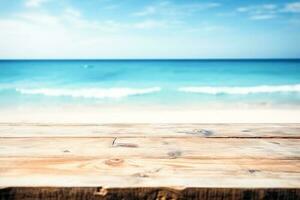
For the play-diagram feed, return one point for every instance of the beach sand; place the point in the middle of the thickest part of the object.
(147, 115)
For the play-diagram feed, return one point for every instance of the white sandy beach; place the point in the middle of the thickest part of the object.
(148, 115)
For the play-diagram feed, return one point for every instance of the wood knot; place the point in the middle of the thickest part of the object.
(114, 162)
(204, 132)
(174, 154)
(141, 174)
(246, 130)
(146, 173)
(252, 171)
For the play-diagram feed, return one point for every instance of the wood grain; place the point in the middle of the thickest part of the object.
(153, 148)
(171, 160)
(149, 130)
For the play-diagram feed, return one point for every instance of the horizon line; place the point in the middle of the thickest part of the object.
(141, 59)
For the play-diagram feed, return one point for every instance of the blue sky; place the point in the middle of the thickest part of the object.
(149, 29)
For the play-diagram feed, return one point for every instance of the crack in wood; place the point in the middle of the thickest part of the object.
(130, 145)
(113, 143)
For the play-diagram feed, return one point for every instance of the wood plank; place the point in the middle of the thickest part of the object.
(150, 162)
(183, 160)
(154, 147)
(149, 130)
(180, 172)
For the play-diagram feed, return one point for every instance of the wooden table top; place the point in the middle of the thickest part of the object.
(150, 155)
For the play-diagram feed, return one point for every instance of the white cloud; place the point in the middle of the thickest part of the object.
(258, 9)
(38, 34)
(37, 18)
(34, 3)
(243, 9)
(292, 7)
(43, 27)
(72, 12)
(150, 24)
(269, 11)
(69, 34)
(207, 28)
(147, 11)
(269, 6)
(111, 7)
(156, 24)
(166, 8)
(260, 12)
(200, 6)
(262, 17)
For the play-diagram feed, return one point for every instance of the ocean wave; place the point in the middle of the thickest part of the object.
(98, 93)
(242, 90)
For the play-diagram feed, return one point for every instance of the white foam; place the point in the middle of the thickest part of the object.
(241, 90)
(90, 92)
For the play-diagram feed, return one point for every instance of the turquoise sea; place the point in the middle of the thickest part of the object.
(202, 83)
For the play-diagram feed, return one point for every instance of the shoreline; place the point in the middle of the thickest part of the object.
(155, 115)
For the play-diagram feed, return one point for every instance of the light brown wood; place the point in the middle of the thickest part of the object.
(149, 130)
(175, 173)
(153, 148)
(162, 155)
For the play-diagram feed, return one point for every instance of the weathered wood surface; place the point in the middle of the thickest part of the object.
(149, 130)
(228, 159)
